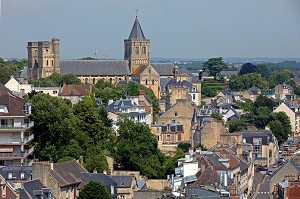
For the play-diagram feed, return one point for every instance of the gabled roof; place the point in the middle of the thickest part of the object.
(290, 162)
(136, 31)
(75, 90)
(95, 67)
(166, 69)
(254, 90)
(99, 177)
(68, 173)
(207, 177)
(10, 192)
(30, 187)
(14, 104)
(124, 181)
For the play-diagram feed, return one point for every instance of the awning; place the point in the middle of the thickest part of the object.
(6, 149)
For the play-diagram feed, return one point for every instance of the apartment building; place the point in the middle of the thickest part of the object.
(14, 129)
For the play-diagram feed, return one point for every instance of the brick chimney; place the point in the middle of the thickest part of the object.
(142, 92)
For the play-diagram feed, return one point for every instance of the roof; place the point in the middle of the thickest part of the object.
(206, 177)
(30, 187)
(14, 104)
(136, 31)
(123, 181)
(166, 69)
(9, 190)
(95, 67)
(290, 162)
(254, 90)
(243, 166)
(226, 92)
(17, 168)
(75, 90)
(68, 173)
(139, 70)
(201, 193)
(99, 177)
(214, 159)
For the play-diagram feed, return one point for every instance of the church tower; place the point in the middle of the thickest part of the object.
(137, 47)
(43, 58)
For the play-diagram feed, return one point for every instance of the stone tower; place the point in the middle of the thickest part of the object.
(43, 58)
(137, 47)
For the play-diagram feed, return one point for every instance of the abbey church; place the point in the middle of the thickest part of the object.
(44, 59)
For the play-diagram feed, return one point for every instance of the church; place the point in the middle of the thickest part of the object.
(43, 60)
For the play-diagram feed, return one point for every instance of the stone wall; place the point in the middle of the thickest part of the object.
(184, 111)
(211, 133)
(157, 184)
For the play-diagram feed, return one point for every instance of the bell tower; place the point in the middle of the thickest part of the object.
(137, 47)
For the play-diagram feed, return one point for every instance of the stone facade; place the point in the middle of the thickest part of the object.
(181, 112)
(211, 133)
(43, 58)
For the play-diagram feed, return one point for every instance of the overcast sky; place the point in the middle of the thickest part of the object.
(176, 28)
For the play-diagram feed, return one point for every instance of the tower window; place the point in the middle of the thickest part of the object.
(52, 62)
(146, 82)
(47, 62)
(137, 50)
(153, 82)
(144, 50)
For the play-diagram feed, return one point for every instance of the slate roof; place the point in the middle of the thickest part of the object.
(95, 67)
(254, 90)
(250, 134)
(226, 92)
(290, 162)
(166, 69)
(201, 193)
(243, 166)
(68, 173)
(9, 191)
(75, 90)
(136, 31)
(183, 83)
(99, 177)
(207, 177)
(164, 82)
(123, 181)
(139, 70)
(16, 172)
(29, 187)
(14, 104)
(214, 159)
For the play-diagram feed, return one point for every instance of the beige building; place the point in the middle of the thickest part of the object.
(52, 91)
(74, 93)
(182, 112)
(18, 85)
(293, 112)
(43, 58)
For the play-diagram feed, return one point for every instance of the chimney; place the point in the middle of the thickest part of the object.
(94, 170)
(142, 92)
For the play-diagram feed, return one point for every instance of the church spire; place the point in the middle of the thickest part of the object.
(136, 31)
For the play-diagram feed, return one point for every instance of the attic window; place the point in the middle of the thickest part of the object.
(122, 184)
(1, 109)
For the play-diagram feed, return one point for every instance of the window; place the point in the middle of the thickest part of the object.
(22, 175)
(94, 80)
(54, 92)
(153, 82)
(146, 82)
(144, 50)
(9, 175)
(3, 122)
(168, 137)
(157, 138)
(52, 62)
(47, 62)
(176, 114)
(194, 96)
(112, 189)
(110, 80)
(137, 50)
(257, 141)
(173, 121)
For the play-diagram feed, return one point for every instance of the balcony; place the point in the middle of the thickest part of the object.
(16, 141)
(21, 127)
(13, 156)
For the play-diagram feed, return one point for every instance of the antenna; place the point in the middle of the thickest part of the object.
(136, 11)
(96, 54)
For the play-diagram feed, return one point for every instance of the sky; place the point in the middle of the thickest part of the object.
(176, 28)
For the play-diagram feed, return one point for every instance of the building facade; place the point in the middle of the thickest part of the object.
(14, 129)
(43, 58)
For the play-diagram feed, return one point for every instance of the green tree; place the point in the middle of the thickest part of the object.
(278, 130)
(70, 79)
(95, 160)
(216, 116)
(137, 150)
(248, 68)
(94, 190)
(214, 66)
(237, 125)
(53, 125)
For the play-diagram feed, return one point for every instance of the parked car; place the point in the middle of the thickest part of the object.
(262, 168)
(275, 166)
(270, 172)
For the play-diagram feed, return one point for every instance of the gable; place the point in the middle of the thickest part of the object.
(283, 108)
(149, 70)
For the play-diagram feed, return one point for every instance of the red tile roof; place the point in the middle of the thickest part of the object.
(75, 90)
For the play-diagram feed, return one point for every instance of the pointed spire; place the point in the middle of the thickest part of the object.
(136, 32)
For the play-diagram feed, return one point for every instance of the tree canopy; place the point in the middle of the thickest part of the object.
(56, 80)
(94, 190)
(248, 68)
(11, 68)
(214, 66)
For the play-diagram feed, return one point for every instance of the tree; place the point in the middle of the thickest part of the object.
(53, 125)
(95, 160)
(94, 190)
(216, 116)
(278, 130)
(286, 128)
(70, 79)
(137, 150)
(237, 125)
(248, 68)
(214, 66)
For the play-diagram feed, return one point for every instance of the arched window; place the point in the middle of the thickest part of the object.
(146, 82)
(94, 81)
(86, 80)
